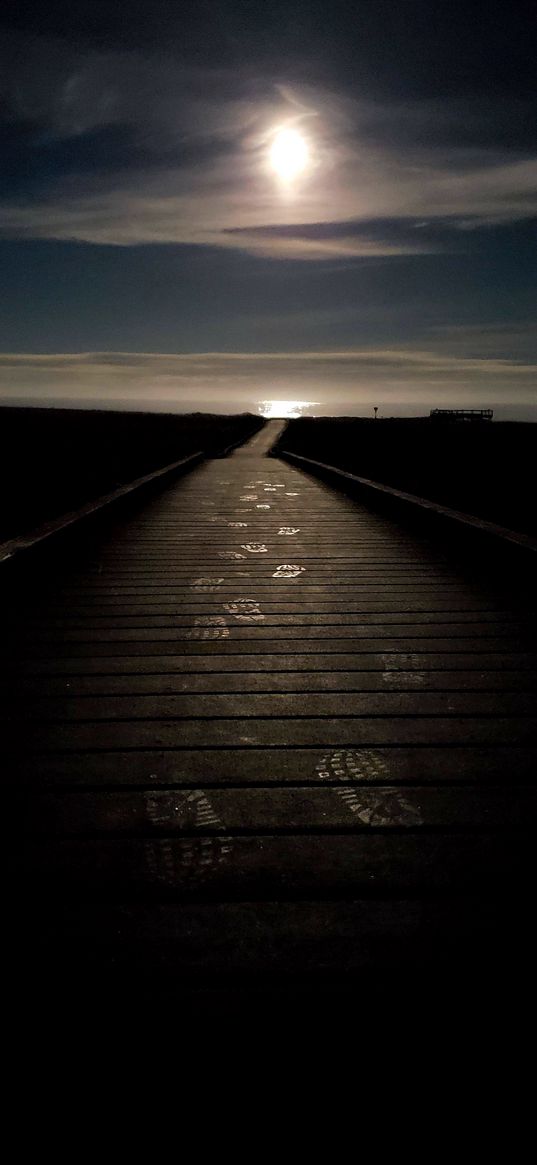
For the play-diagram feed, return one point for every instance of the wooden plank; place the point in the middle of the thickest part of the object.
(364, 582)
(199, 604)
(380, 629)
(174, 583)
(229, 706)
(93, 582)
(278, 681)
(323, 809)
(207, 642)
(475, 658)
(387, 615)
(504, 765)
(317, 571)
(240, 733)
(231, 867)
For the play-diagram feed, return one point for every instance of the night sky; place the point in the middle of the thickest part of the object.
(152, 257)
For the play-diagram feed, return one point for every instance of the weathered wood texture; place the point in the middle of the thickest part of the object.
(260, 735)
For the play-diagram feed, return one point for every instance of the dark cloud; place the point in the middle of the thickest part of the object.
(419, 47)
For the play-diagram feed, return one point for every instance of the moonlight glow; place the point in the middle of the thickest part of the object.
(289, 154)
(285, 408)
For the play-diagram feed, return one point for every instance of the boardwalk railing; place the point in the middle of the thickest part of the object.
(411, 504)
(59, 525)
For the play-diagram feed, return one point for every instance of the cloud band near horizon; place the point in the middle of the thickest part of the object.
(404, 380)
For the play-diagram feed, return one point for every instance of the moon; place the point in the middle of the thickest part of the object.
(289, 154)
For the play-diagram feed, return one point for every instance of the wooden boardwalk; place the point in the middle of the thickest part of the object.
(261, 736)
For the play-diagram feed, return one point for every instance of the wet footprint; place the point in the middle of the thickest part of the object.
(209, 627)
(288, 571)
(387, 807)
(206, 584)
(181, 809)
(245, 610)
(382, 807)
(185, 860)
(364, 764)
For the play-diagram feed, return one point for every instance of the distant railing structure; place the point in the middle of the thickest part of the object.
(471, 415)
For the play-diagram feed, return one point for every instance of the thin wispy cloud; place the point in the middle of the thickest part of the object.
(147, 208)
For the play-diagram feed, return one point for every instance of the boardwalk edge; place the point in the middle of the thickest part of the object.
(412, 502)
(34, 538)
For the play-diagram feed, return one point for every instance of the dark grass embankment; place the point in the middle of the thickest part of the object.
(484, 469)
(55, 460)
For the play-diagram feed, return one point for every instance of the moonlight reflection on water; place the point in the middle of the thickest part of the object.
(287, 409)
